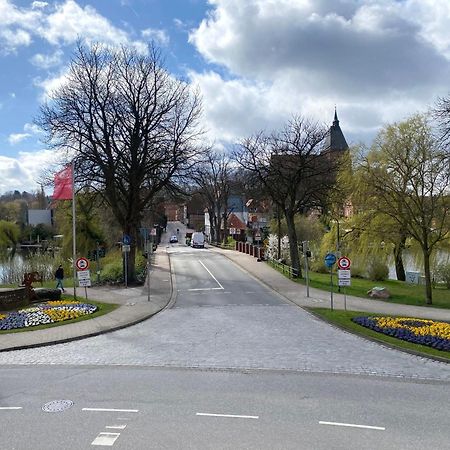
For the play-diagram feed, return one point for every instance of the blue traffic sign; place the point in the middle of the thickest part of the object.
(126, 239)
(330, 259)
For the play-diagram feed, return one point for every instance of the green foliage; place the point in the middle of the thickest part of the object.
(9, 234)
(442, 273)
(377, 271)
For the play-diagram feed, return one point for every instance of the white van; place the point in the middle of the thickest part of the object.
(198, 240)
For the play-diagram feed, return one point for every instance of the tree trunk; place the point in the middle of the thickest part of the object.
(279, 232)
(426, 263)
(293, 244)
(398, 258)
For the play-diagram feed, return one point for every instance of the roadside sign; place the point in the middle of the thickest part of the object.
(344, 282)
(82, 263)
(126, 248)
(344, 274)
(330, 259)
(84, 283)
(84, 275)
(153, 232)
(84, 278)
(344, 263)
(126, 239)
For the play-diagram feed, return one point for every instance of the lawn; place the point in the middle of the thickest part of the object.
(343, 320)
(401, 292)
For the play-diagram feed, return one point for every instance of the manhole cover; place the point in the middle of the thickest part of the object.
(57, 405)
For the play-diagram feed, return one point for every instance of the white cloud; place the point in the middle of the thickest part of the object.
(51, 84)
(15, 138)
(38, 5)
(63, 23)
(159, 36)
(46, 61)
(24, 172)
(378, 61)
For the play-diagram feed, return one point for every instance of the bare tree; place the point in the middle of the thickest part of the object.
(410, 176)
(292, 169)
(213, 178)
(129, 125)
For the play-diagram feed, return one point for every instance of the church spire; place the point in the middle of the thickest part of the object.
(335, 139)
(335, 121)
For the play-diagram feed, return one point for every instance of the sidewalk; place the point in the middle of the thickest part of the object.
(134, 308)
(296, 292)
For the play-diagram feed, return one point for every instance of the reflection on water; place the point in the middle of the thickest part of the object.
(13, 267)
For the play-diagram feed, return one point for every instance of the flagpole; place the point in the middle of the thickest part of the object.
(74, 234)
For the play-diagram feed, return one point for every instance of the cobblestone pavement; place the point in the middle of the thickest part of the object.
(242, 337)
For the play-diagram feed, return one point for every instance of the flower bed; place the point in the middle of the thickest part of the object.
(418, 331)
(48, 312)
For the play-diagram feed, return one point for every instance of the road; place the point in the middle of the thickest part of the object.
(230, 366)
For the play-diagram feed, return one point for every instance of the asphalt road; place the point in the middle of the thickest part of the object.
(230, 366)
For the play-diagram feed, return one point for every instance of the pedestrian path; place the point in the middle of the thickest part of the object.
(296, 292)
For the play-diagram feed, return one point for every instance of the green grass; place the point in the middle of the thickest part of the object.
(103, 308)
(343, 320)
(401, 292)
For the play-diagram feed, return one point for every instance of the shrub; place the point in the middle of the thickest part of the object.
(442, 273)
(378, 271)
(113, 272)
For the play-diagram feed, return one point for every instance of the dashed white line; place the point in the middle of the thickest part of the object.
(206, 289)
(227, 415)
(111, 410)
(338, 424)
(107, 439)
(11, 407)
(116, 427)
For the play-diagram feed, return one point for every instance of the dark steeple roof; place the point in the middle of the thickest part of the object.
(335, 139)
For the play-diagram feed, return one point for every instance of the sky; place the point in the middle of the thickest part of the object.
(257, 63)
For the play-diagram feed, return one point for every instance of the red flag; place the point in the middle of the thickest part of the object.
(63, 184)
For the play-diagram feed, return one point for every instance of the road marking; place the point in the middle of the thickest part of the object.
(227, 415)
(110, 410)
(123, 418)
(214, 278)
(206, 289)
(11, 407)
(107, 439)
(116, 427)
(338, 424)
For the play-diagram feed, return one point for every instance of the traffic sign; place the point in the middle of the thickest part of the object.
(344, 282)
(82, 263)
(330, 259)
(344, 274)
(84, 275)
(153, 232)
(84, 283)
(126, 239)
(344, 263)
(126, 248)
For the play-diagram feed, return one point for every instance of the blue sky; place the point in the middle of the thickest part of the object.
(257, 62)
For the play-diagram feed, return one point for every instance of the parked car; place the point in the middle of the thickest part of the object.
(173, 239)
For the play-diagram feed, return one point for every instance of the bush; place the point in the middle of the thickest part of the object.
(378, 271)
(113, 272)
(442, 273)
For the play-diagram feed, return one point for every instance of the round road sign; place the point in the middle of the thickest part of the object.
(344, 263)
(330, 259)
(82, 263)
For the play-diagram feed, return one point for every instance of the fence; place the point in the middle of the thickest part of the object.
(284, 268)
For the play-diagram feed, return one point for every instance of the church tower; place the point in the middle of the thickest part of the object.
(335, 140)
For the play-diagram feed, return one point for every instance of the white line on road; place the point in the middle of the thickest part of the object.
(11, 407)
(107, 439)
(110, 410)
(227, 415)
(206, 289)
(116, 427)
(338, 424)
(214, 278)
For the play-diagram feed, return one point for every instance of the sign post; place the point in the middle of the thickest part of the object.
(83, 274)
(344, 275)
(126, 246)
(330, 260)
